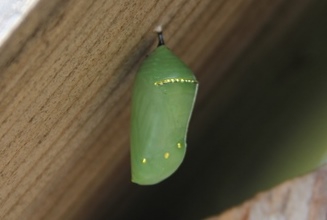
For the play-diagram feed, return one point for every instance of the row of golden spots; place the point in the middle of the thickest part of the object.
(160, 83)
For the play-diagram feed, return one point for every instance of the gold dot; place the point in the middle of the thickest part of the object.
(144, 160)
(179, 145)
(156, 83)
(166, 156)
(177, 80)
(172, 80)
(182, 80)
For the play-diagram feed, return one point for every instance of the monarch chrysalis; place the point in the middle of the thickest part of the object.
(162, 102)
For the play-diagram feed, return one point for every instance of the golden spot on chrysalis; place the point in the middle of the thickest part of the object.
(179, 145)
(144, 160)
(166, 155)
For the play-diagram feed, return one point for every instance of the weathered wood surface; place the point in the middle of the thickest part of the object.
(65, 85)
(303, 198)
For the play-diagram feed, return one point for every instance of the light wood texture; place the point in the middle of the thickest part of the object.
(65, 85)
(300, 199)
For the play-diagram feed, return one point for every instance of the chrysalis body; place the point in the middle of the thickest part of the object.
(163, 97)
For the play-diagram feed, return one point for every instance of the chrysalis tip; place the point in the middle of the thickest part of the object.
(158, 29)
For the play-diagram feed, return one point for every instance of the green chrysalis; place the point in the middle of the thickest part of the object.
(162, 102)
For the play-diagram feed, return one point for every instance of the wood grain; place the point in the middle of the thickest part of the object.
(65, 85)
